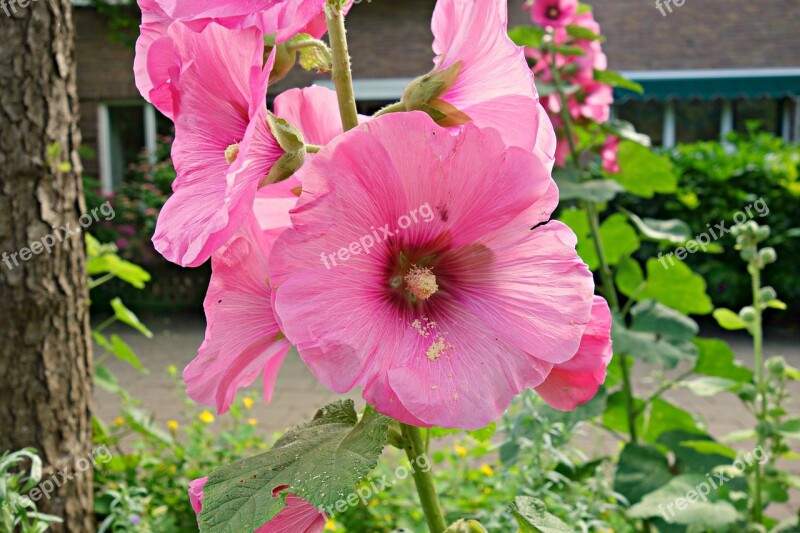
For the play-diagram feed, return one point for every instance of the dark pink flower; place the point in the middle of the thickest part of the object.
(554, 13)
(444, 320)
(298, 516)
(609, 153)
(576, 381)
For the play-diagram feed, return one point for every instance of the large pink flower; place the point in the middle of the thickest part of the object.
(554, 13)
(155, 55)
(298, 516)
(494, 87)
(223, 146)
(440, 299)
(243, 340)
(313, 110)
(576, 381)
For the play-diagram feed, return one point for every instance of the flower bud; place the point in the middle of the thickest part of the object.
(767, 294)
(776, 365)
(423, 94)
(748, 392)
(285, 60)
(291, 140)
(748, 314)
(762, 233)
(765, 429)
(768, 255)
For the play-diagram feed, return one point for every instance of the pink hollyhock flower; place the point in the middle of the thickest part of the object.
(609, 153)
(595, 104)
(554, 13)
(223, 146)
(576, 381)
(243, 340)
(443, 302)
(494, 87)
(563, 151)
(298, 516)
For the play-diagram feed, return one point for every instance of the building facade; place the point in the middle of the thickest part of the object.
(708, 67)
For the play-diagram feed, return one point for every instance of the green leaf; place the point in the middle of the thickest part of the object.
(711, 386)
(126, 316)
(640, 471)
(625, 131)
(629, 277)
(142, 423)
(790, 428)
(663, 416)
(739, 435)
(532, 516)
(124, 353)
(100, 260)
(710, 447)
(652, 316)
(658, 335)
(728, 319)
(674, 231)
(592, 191)
(321, 461)
(672, 501)
(580, 32)
(618, 237)
(677, 287)
(645, 173)
(528, 36)
(615, 79)
(715, 358)
(616, 415)
(104, 379)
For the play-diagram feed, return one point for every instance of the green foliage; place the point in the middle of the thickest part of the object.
(644, 172)
(20, 472)
(533, 517)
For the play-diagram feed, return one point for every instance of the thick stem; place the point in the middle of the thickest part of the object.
(415, 449)
(392, 108)
(761, 414)
(342, 77)
(609, 289)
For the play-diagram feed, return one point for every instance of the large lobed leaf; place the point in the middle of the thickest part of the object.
(321, 461)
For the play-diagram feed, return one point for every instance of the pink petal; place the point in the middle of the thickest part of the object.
(576, 381)
(313, 110)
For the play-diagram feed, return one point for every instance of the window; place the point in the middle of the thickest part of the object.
(698, 121)
(124, 130)
(767, 112)
(647, 117)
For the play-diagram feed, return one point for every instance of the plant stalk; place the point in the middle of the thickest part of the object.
(342, 75)
(758, 342)
(414, 446)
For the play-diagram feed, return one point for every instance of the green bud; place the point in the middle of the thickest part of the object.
(748, 392)
(762, 233)
(768, 255)
(748, 314)
(748, 254)
(423, 94)
(767, 294)
(466, 526)
(776, 365)
(285, 60)
(291, 140)
(765, 429)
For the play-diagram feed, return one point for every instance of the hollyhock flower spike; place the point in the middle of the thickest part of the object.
(444, 302)
(223, 145)
(298, 516)
(480, 75)
(554, 13)
(577, 381)
(243, 340)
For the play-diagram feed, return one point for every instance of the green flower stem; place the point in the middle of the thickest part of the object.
(392, 108)
(313, 148)
(609, 289)
(415, 448)
(342, 76)
(758, 342)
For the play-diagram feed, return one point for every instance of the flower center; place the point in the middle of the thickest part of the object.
(553, 13)
(421, 282)
(231, 153)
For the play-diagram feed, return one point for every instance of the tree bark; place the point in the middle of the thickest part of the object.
(45, 353)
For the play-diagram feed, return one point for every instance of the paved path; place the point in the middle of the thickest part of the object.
(298, 394)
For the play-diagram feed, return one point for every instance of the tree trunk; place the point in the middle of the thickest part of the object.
(45, 353)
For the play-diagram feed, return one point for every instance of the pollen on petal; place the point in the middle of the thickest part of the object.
(437, 348)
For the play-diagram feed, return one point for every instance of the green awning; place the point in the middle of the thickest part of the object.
(714, 84)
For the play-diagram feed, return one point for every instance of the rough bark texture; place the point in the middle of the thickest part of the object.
(45, 354)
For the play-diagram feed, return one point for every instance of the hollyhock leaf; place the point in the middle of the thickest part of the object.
(592, 191)
(581, 32)
(615, 416)
(126, 316)
(615, 79)
(728, 319)
(643, 172)
(640, 471)
(715, 358)
(652, 316)
(712, 515)
(662, 416)
(657, 335)
(625, 130)
(532, 517)
(619, 238)
(677, 287)
(710, 386)
(123, 352)
(322, 461)
(629, 277)
(142, 422)
(673, 231)
(527, 36)
(483, 434)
